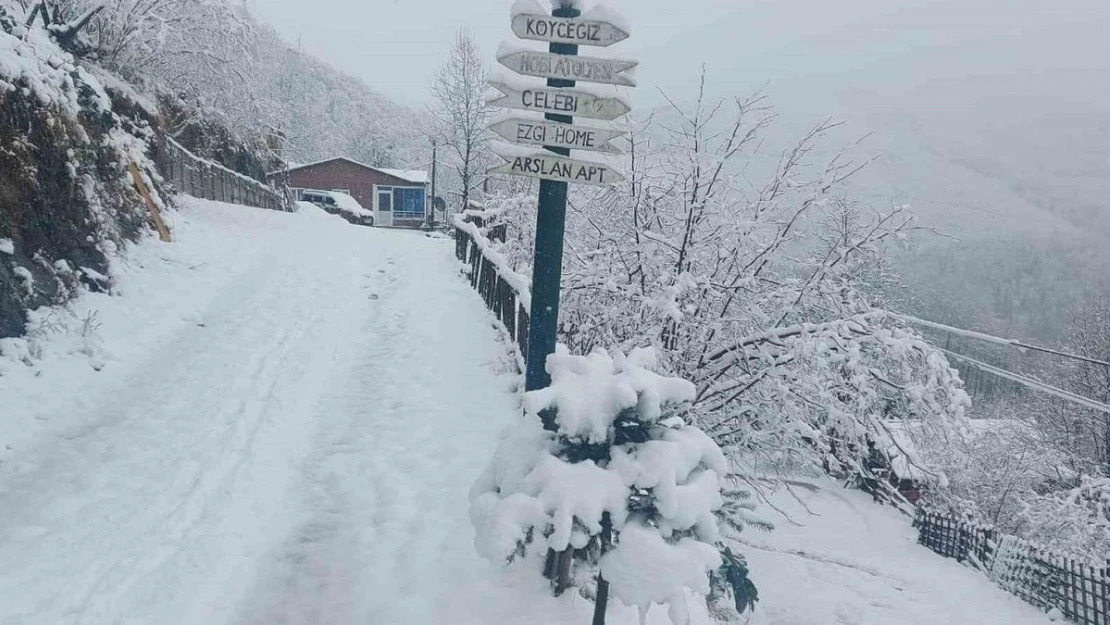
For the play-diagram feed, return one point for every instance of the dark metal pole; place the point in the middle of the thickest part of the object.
(547, 270)
(547, 267)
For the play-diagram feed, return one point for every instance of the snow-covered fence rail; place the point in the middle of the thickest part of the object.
(1079, 590)
(505, 292)
(203, 178)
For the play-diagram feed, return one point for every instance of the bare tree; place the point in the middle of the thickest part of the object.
(461, 111)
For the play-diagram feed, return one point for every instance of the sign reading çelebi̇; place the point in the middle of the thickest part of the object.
(558, 134)
(559, 101)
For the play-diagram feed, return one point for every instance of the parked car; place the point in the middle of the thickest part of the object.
(338, 203)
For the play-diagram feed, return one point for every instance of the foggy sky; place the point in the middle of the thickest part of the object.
(992, 117)
(395, 45)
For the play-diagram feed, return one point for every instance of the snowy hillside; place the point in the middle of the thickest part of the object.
(277, 450)
(835, 557)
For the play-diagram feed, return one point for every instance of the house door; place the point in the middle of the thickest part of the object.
(385, 208)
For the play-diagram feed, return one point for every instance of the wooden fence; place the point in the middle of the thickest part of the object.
(202, 178)
(502, 290)
(1049, 580)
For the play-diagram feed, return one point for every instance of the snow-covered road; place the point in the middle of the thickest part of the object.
(277, 421)
(280, 437)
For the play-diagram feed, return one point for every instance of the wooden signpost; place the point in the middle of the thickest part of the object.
(536, 132)
(559, 101)
(565, 30)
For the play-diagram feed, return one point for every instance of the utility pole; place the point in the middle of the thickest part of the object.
(432, 209)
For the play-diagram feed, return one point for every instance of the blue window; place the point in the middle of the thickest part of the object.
(408, 202)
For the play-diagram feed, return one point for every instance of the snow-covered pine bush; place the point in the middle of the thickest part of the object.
(620, 479)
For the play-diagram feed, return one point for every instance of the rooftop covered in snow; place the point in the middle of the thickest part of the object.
(414, 176)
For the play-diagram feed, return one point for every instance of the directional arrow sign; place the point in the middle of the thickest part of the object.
(560, 101)
(535, 132)
(584, 68)
(567, 30)
(551, 167)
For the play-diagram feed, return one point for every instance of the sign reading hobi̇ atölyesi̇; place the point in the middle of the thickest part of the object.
(565, 67)
(567, 30)
(554, 134)
(552, 167)
(559, 101)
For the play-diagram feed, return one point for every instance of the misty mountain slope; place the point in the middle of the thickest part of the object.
(990, 120)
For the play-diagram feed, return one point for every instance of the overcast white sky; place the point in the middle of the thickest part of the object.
(992, 117)
(395, 45)
(1017, 90)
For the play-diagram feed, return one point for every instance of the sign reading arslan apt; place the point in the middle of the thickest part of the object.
(552, 167)
(560, 101)
(584, 68)
(567, 30)
(535, 132)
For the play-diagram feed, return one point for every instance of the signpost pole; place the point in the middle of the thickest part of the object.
(547, 270)
(548, 260)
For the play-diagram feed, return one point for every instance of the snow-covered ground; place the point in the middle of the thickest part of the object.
(836, 558)
(277, 421)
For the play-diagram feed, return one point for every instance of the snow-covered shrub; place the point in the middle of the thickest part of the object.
(1074, 521)
(618, 477)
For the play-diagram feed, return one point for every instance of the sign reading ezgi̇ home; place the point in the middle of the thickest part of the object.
(535, 132)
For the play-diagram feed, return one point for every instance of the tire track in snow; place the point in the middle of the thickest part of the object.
(394, 462)
(172, 439)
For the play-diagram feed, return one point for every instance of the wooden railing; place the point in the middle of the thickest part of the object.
(505, 292)
(199, 177)
(1049, 580)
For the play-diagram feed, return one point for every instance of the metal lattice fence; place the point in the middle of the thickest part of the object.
(1049, 580)
(198, 177)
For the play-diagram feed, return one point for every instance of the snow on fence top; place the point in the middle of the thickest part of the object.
(214, 165)
(518, 282)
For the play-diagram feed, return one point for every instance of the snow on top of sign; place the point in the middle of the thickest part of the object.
(509, 48)
(528, 7)
(532, 116)
(602, 13)
(509, 151)
(515, 115)
(512, 151)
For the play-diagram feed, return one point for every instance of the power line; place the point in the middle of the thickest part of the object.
(979, 336)
(1031, 383)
